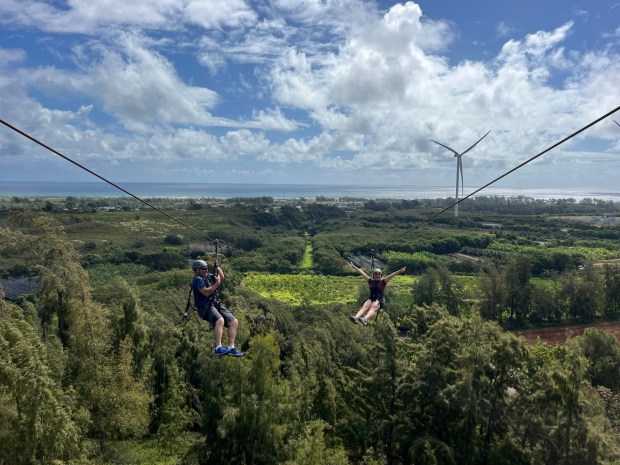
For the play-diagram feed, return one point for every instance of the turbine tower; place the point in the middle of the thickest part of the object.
(459, 168)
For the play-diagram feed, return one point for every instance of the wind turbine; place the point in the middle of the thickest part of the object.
(459, 167)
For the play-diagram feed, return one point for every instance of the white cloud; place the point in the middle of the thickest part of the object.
(294, 83)
(134, 83)
(403, 24)
(503, 29)
(216, 14)
(244, 143)
(380, 64)
(11, 57)
(337, 16)
(86, 17)
(354, 89)
(615, 33)
(272, 119)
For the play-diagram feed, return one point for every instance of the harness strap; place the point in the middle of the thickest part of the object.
(188, 305)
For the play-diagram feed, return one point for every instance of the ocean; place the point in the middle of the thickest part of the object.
(285, 191)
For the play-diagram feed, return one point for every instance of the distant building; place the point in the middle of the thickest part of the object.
(492, 225)
(605, 219)
(13, 288)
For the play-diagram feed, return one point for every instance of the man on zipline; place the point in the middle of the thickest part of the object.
(206, 299)
(376, 301)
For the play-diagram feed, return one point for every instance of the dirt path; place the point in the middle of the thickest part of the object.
(559, 335)
(613, 261)
(462, 256)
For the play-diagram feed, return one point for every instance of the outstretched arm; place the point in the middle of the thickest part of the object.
(360, 271)
(390, 276)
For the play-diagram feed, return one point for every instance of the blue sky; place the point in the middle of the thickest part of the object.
(310, 91)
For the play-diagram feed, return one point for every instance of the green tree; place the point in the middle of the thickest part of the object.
(490, 369)
(174, 368)
(377, 382)
(36, 416)
(557, 417)
(327, 260)
(493, 292)
(117, 400)
(582, 292)
(516, 277)
(251, 404)
(611, 402)
(126, 318)
(458, 393)
(603, 353)
(451, 290)
(426, 288)
(545, 303)
(105, 387)
(612, 290)
(311, 448)
(425, 407)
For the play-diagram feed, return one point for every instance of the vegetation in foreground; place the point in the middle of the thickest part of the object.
(99, 367)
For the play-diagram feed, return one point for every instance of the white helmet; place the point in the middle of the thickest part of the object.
(376, 271)
(199, 264)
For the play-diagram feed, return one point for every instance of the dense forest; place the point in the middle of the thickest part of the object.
(99, 366)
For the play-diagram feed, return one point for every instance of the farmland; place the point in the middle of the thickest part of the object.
(296, 252)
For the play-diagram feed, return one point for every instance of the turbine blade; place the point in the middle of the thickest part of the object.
(445, 146)
(616, 122)
(475, 143)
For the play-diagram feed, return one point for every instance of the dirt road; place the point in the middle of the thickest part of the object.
(559, 335)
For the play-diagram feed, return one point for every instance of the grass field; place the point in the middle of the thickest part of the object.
(296, 289)
(316, 289)
(306, 261)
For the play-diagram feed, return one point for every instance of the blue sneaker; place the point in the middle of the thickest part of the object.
(221, 351)
(353, 319)
(363, 321)
(234, 352)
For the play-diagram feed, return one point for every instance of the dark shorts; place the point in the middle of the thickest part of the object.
(213, 312)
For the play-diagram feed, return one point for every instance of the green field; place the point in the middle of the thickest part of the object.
(299, 288)
(318, 290)
(306, 261)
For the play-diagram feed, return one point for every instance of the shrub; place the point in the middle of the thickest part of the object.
(173, 239)
(88, 246)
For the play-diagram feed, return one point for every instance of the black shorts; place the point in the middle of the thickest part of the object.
(214, 311)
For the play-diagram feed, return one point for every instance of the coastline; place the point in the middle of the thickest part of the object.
(285, 191)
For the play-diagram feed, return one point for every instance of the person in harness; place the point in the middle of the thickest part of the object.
(376, 301)
(206, 299)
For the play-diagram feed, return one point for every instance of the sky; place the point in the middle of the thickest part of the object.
(311, 91)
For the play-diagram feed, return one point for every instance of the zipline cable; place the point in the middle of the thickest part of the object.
(36, 141)
(507, 173)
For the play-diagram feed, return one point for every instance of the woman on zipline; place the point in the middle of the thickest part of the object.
(376, 301)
